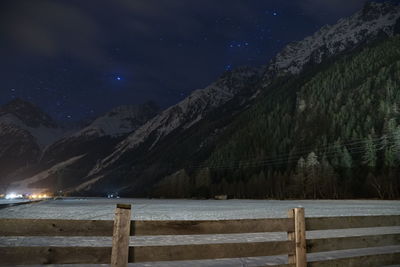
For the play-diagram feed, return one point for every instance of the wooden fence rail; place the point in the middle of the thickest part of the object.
(296, 246)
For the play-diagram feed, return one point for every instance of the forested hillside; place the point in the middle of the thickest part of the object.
(333, 132)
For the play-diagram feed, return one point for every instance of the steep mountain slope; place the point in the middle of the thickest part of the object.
(65, 162)
(113, 125)
(25, 131)
(176, 121)
(189, 111)
(373, 21)
(331, 132)
(184, 133)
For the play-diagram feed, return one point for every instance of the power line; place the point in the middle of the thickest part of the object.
(271, 163)
(327, 147)
(354, 147)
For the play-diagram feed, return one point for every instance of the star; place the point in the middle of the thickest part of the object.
(118, 78)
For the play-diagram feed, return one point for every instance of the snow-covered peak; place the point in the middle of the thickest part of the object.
(24, 116)
(120, 121)
(365, 25)
(28, 113)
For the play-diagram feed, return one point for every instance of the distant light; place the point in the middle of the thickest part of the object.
(38, 196)
(275, 14)
(13, 195)
(118, 78)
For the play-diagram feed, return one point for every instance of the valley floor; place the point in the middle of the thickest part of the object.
(152, 209)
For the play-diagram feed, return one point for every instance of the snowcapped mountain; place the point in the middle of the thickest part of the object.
(110, 128)
(24, 117)
(70, 158)
(25, 131)
(187, 112)
(366, 25)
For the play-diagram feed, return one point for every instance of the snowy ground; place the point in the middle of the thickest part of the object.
(144, 209)
(11, 201)
(163, 209)
(4, 203)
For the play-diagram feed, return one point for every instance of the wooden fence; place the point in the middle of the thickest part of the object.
(296, 246)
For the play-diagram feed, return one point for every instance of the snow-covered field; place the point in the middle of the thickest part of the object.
(151, 209)
(163, 209)
(11, 202)
(4, 201)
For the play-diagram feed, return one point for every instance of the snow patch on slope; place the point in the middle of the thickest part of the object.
(24, 185)
(117, 122)
(114, 123)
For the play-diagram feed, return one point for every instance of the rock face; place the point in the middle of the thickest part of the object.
(25, 131)
(374, 20)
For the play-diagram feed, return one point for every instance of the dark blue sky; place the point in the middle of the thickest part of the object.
(77, 59)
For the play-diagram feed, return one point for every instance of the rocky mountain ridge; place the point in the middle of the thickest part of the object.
(366, 25)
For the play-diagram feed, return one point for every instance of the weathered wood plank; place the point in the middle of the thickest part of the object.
(291, 237)
(139, 228)
(364, 261)
(120, 241)
(208, 251)
(56, 227)
(50, 227)
(340, 243)
(55, 255)
(344, 222)
(300, 237)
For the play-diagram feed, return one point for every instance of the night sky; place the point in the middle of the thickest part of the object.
(77, 59)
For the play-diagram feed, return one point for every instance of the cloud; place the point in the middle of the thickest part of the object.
(84, 29)
(51, 29)
(323, 10)
(177, 17)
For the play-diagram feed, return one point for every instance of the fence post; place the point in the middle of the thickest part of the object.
(299, 256)
(121, 236)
